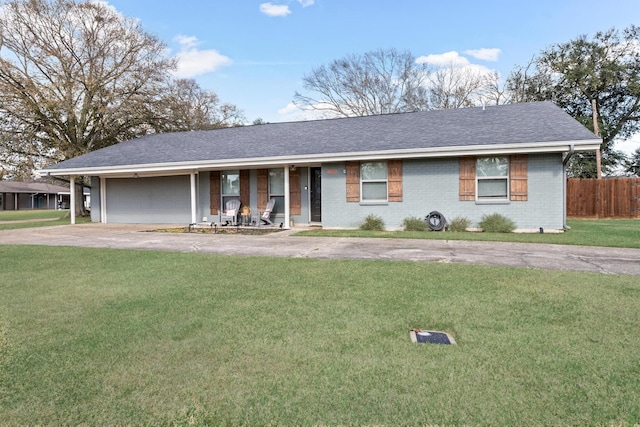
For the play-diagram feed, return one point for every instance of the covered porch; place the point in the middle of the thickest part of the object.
(176, 197)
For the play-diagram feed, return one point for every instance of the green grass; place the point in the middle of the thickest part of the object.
(97, 336)
(36, 218)
(622, 233)
(25, 215)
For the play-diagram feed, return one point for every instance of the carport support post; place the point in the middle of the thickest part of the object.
(194, 213)
(72, 196)
(286, 197)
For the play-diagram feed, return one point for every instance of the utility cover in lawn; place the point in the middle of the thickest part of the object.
(422, 336)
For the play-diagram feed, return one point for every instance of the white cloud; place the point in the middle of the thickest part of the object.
(484, 54)
(306, 3)
(194, 62)
(289, 110)
(452, 58)
(293, 113)
(630, 145)
(271, 9)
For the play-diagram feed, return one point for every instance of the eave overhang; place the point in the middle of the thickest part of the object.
(186, 167)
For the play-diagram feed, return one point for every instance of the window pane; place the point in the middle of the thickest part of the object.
(374, 191)
(278, 208)
(231, 182)
(374, 170)
(493, 166)
(492, 188)
(276, 181)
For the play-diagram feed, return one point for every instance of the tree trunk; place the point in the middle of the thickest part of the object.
(596, 130)
(81, 210)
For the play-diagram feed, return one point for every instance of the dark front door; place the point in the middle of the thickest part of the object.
(315, 191)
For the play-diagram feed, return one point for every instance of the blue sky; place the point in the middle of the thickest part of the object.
(254, 53)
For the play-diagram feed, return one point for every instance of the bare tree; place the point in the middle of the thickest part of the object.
(377, 82)
(187, 106)
(456, 86)
(75, 77)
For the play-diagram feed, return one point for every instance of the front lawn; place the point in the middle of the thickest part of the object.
(621, 233)
(98, 336)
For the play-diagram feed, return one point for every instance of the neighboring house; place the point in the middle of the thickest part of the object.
(466, 162)
(16, 195)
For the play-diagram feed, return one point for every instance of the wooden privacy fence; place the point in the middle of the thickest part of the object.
(603, 198)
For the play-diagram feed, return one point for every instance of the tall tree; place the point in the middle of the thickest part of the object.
(597, 81)
(377, 82)
(76, 77)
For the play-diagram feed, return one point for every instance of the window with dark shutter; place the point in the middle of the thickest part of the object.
(491, 179)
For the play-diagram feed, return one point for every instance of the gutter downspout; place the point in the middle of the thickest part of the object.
(565, 160)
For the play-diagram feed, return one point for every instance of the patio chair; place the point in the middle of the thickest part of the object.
(230, 214)
(266, 214)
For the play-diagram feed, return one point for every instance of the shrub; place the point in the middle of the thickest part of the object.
(372, 222)
(496, 223)
(459, 223)
(413, 223)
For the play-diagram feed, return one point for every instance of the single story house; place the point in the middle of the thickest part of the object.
(16, 195)
(507, 159)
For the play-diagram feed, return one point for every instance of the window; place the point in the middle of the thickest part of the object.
(230, 186)
(276, 189)
(492, 176)
(373, 181)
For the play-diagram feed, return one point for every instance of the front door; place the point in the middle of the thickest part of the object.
(315, 194)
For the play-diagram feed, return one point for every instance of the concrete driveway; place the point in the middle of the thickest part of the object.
(284, 244)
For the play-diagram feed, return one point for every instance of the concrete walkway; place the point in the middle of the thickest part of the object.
(284, 244)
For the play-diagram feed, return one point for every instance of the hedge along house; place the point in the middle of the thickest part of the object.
(466, 162)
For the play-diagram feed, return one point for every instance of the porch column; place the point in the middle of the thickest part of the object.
(286, 198)
(72, 197)
(194, 213)
(103, 200)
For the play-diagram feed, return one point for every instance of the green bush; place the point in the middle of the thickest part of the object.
(496, 223)
(413, 223)
(372, 222)
(459, 223)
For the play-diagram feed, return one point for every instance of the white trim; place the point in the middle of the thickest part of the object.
(373, 181)
(103, 200)
(287, 198)
(506, 178)
(194, 212)
(72, 196)
(183, 168)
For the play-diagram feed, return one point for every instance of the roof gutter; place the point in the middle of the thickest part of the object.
(178, 168)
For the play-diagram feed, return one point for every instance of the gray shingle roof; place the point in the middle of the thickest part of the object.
(538, 122)
(31, 187)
